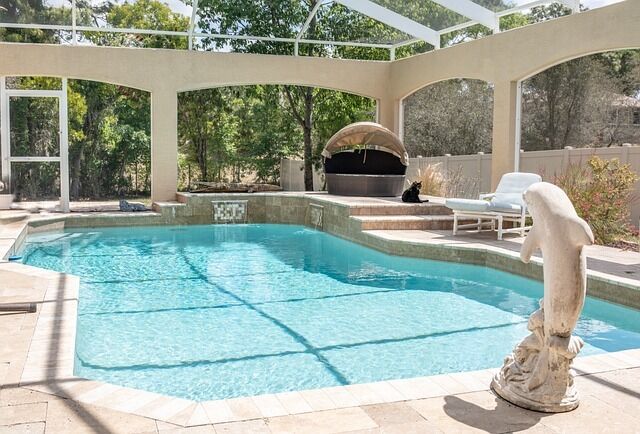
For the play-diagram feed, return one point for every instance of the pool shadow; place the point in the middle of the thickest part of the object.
(500, 417)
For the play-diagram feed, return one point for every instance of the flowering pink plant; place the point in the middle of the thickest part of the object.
(602, 193)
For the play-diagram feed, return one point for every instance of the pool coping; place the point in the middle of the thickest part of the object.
(54, 338)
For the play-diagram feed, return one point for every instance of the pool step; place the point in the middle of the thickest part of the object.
(401, 209)
(405, 222)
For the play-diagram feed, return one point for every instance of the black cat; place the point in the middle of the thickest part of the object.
(412, 193)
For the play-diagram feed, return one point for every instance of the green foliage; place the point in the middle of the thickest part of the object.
(141, 14)
(602, 193)
(33, 11)
(302, 117)
(449, 117)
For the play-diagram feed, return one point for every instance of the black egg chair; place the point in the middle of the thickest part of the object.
(365, 159)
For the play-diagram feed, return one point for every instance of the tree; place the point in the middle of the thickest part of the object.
(571, 104)
(199, 117)
(140, 14)
(283, 19)
(33, 11)
(566, 105)
(450, 117)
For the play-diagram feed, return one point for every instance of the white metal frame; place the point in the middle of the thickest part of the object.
(518, 127)
(5, 139)
(467, 8)
(492, 217)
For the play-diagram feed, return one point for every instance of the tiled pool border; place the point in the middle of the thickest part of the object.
(48, 366)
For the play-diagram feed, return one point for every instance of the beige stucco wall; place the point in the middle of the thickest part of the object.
(501, 59)
(520, 53)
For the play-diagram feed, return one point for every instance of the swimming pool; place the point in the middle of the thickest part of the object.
(209, 312)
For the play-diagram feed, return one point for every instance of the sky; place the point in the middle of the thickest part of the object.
(598, 3)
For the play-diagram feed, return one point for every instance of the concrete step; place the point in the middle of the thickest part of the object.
(405, 222)
(7, 217)
(182, 198)
(159, 206)
(400, 209)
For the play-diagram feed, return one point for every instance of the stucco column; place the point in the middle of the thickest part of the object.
(505, 119)
(389, 113)
(164, 145)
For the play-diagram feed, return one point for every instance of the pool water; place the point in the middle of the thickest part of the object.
(209, 312)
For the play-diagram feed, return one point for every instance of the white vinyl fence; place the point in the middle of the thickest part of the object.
(476, 169)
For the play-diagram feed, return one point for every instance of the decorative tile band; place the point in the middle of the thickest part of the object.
(229, 211)
(316, 213)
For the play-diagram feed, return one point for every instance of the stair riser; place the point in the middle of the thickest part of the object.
(401, 210)
(8, 220)
(417, 225)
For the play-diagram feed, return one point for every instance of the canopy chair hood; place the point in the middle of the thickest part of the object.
(365, 159)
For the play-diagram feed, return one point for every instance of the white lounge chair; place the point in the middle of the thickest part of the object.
(506, 204)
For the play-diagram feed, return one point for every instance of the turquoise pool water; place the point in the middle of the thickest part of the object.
(208, 312)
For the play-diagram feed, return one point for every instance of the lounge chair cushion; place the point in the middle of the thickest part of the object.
(507, 198)
(511, 187)
(508, 207)
(472, 205)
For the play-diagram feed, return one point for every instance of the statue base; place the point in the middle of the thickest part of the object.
(515, 396)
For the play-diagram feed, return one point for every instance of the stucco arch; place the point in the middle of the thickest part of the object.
(165, 73)
(404, 97)
(560, 62)
(521, 53)
(156, 69)
(276, 83)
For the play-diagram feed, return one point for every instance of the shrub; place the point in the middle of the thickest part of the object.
(433, 183)
(452, 183)
(602, 192)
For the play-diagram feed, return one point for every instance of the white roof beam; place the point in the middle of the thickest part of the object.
(472, 10)
(393, 19)
(192, 22)
(574, 5)
(304, 28)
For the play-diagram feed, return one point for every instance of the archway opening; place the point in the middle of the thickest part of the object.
(447, 132)
(580, 129)
(267, 134)
(592, 101)
(81, 140)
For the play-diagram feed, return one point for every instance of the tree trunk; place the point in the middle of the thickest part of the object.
(307, 126)
(75, 174)
(306, 134)
(202, 158)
